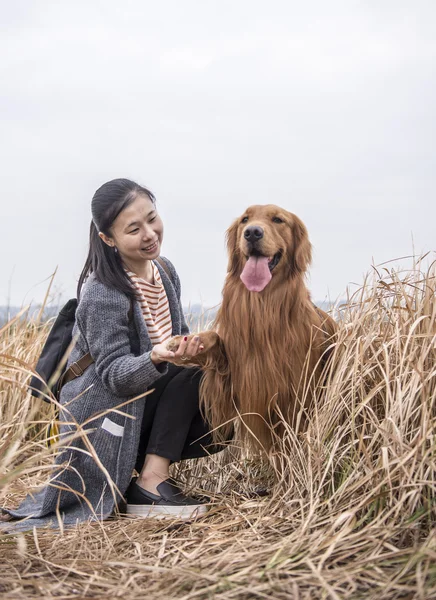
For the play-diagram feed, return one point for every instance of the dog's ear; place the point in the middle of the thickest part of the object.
(301, 253)
(232, 247)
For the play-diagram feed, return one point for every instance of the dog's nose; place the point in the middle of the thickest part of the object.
(253, 233)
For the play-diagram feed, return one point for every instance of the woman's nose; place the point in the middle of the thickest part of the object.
(147, 235)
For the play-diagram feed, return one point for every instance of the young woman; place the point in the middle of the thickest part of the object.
(129, 307)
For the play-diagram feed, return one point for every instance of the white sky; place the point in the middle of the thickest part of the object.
(325, 108)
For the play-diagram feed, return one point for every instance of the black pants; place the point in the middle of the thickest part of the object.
(172, 425)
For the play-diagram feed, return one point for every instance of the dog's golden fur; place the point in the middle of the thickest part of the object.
(265, 346)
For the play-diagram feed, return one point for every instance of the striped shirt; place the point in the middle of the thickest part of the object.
(154, 306)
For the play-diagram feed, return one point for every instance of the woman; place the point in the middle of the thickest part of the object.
(129, 307)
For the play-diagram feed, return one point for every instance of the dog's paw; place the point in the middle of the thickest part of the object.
(208, 339)
(174, 343)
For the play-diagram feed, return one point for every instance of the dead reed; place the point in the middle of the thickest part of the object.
(350, 510)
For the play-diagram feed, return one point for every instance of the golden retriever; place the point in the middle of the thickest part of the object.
(268, 338)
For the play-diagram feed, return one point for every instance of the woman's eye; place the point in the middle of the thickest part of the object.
(244, 220)
(134, 230)
(277, 220)
(153, 219)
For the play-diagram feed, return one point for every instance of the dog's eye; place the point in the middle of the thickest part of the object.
(277, 220)
(244, 220)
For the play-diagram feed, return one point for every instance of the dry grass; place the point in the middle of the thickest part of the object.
(352, 514)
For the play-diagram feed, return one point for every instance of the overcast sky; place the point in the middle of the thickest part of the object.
(324, 108)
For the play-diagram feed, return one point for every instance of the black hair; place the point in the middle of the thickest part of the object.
(103, 260)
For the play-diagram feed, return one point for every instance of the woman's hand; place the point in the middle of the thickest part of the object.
(187, 349)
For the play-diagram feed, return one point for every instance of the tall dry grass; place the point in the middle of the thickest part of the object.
(351, 506)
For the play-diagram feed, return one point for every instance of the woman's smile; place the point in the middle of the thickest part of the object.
(151, 248)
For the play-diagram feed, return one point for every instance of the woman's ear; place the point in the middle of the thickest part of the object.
(107, 240)
(232, 249)
(301, 252)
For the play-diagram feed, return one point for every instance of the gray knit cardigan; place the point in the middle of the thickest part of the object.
(122, 369)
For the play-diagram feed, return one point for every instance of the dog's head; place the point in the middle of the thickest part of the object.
(265, 243)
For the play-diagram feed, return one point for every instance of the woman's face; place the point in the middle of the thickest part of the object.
(137, 233)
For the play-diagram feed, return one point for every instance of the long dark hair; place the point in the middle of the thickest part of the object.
(102, 260)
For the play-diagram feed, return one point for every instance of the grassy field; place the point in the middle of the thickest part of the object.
(351, 506)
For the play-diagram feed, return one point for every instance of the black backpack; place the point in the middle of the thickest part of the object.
(49, 366)
(51, 369)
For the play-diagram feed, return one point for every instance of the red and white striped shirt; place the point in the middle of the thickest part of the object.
(154, 305)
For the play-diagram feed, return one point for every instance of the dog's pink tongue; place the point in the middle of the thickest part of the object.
(256, 274)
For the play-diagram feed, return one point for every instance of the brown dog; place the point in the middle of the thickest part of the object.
(263, 357)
